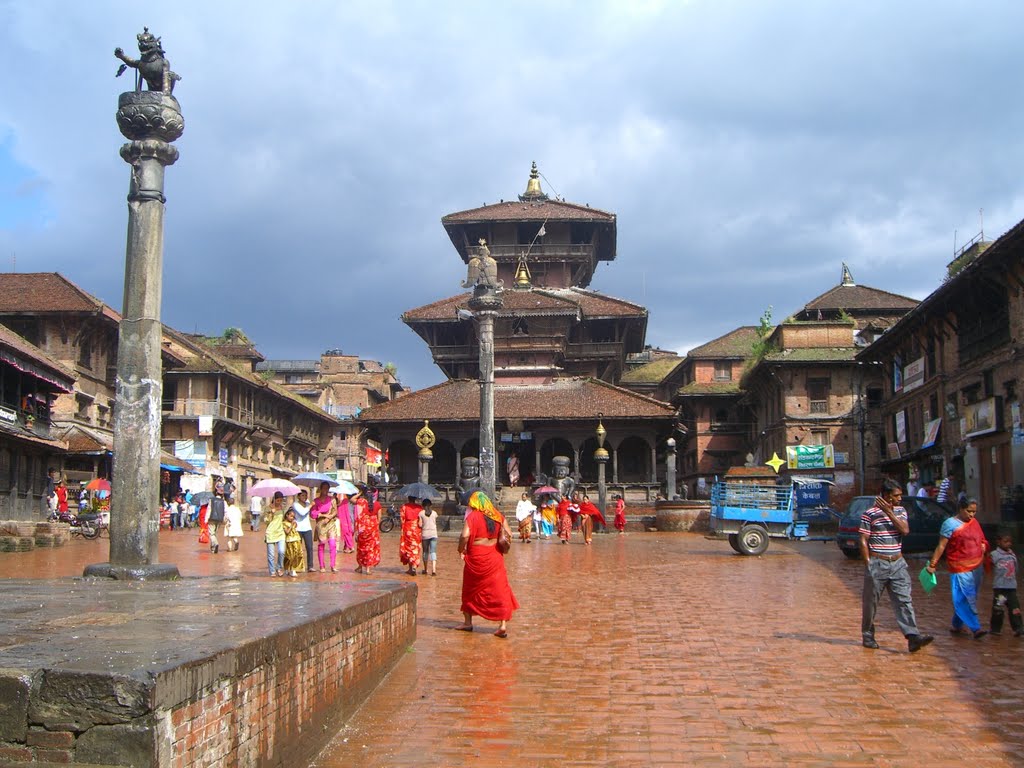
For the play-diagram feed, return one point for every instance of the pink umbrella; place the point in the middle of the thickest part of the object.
(267, 488)
(545, 489)
(98, 484)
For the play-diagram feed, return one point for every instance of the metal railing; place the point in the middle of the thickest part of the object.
(215, 408)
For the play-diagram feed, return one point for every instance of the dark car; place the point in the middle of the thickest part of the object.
(924, 515)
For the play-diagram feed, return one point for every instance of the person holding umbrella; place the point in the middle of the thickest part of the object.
(274, 535)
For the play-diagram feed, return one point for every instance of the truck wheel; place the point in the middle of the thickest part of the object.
(734, 542)
(752, 540)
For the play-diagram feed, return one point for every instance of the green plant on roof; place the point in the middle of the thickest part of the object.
(845, 316)
(392, 369)
(762, 345)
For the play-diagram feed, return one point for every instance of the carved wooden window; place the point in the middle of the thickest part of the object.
(817, 393)
(723, 370)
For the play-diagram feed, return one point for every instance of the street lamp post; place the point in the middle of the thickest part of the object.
(670, 469)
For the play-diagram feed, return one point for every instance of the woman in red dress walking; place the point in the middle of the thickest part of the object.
(485, 589)
(410, 545)
(367, 533)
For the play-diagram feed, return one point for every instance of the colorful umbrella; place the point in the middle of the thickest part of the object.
(267, 488)
(98, 484)
(545, 489)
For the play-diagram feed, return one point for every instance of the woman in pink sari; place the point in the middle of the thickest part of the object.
(485, 589)
(325, 527)
(347, 520)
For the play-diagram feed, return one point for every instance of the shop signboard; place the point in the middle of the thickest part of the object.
(913, 375)
(983, 417)
(810, 457)
(901, 427)
(931, 432)
(8, 415)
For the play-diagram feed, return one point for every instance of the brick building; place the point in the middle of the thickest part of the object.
(342, 386)
(952, 381)
(30, 383)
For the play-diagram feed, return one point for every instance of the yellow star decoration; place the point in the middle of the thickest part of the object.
(775, 462)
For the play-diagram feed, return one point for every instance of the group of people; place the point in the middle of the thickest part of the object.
(329, 519)
(418, 543)
(966, 550)
(563, 515)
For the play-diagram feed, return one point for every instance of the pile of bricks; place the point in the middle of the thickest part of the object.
(22, 535)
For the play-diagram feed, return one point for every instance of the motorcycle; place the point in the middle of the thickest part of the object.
(87, 525)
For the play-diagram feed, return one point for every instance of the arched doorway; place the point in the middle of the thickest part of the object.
(634, 460)
(588, 467)
(442, 466)
(403, 457)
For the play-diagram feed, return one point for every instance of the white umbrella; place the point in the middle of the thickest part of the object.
(345, 487)
(267, 488)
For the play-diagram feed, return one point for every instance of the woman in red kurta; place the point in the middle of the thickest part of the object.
(485, 589)
(410, 545)
(565, 520)
(367, 533)
(620, 514)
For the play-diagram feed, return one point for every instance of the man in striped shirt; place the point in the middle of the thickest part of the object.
(882, 529)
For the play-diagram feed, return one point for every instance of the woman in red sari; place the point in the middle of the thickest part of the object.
(965, 546)
(485, 589)
(367, 533)
(410, 545)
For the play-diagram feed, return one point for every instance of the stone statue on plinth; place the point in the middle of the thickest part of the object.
(561, 478)
(469, 478)
(152, 66)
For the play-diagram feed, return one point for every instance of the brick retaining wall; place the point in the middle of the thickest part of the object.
(245, 703)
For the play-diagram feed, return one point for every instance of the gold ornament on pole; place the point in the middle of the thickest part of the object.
(425, 440)
(601, 454)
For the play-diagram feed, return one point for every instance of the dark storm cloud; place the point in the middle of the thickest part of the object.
(748, 149)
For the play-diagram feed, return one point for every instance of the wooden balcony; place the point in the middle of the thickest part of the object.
(553, 252)
(192, 409)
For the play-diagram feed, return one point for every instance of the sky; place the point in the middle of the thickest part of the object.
(747, 148)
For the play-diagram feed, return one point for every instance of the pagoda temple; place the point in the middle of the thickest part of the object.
(560, 349)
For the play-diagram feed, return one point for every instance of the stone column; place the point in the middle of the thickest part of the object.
(670, 469)
(601, 457)
(150, 120)
(485, 304)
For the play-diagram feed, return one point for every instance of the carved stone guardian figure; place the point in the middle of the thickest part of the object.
(560, 478)
(469, 478)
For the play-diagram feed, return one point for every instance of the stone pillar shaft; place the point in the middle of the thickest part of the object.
(488, 479)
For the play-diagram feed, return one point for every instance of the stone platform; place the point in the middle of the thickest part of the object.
(206, 671)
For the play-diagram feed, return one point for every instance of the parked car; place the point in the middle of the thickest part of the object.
(924, 515)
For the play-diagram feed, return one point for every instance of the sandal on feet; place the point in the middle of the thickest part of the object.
(502, 633)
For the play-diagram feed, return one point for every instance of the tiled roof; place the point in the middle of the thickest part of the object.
(82, 440)
(575, 398)
(40, 364)
(18, 432)
(537, 301)
(735, 344)
(653, 372)
(515, 210)
(852, 298)
(43, 292)
(813, 355)
(200, 358)
(695, 388)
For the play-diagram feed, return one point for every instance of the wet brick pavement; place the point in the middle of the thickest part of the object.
(658, 650)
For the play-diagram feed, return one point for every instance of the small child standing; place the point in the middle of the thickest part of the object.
(294, 549)
(1004, 586)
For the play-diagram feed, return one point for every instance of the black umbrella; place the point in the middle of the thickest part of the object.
(201, 498)
(419, 491)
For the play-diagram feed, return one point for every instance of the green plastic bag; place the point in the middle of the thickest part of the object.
(927, 579)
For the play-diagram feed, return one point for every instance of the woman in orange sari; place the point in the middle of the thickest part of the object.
(367, 533)
(965, 546)
(485, 589)
(410, 545)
